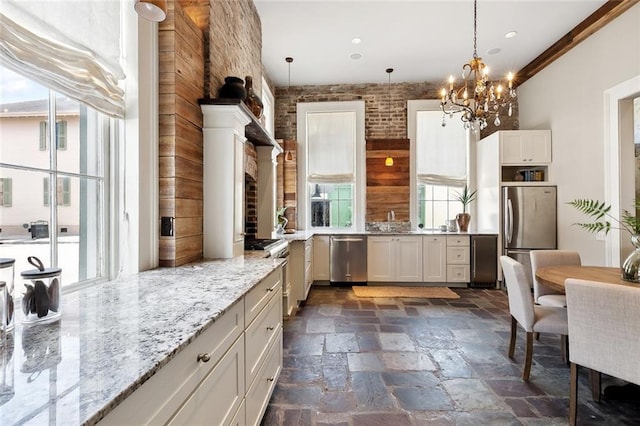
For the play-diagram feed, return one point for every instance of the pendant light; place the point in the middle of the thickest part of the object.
(289, 156)
(389, 160)
(152, 10)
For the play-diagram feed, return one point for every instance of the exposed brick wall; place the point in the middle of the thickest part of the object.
(378, 108)
(385, 118)
(235, 34)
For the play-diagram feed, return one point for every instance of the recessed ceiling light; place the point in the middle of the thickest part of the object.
(355, 56)
(494, 51)
(511, 34)
(356, 41)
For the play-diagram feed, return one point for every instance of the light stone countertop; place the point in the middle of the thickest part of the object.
(305, 235)
(112, 337)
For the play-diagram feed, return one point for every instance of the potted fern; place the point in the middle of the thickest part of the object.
(465, 197)
(602, 222)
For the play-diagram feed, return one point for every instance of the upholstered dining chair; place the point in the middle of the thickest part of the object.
(542, 294)
(604, 333)
(533, 318)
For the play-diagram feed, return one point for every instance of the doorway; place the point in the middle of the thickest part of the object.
(620, 123)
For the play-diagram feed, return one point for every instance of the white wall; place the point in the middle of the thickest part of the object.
(568, 98)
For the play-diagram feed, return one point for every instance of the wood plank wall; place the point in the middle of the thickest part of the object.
(387, 186)
(180, 164)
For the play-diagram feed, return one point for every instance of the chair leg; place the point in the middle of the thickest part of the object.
(564, 348)
(512, 341)
(537, 336)
(573, 395)
(595, 382)
(528, 357)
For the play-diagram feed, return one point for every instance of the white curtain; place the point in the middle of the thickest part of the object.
(331, 146)
(72, 47)
(441, 151)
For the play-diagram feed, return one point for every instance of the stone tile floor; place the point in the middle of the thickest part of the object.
(371, 361)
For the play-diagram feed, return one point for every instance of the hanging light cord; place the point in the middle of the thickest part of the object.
(389, 71)
(289, 60)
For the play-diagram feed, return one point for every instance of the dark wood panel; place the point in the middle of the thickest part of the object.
(167, 167)
(188, 249)
(186, 207)
(187, 169)
(187, 188)
(167, 187)
(598, 19)
(188, 227)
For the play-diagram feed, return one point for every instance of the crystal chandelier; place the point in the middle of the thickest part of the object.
(479, 99)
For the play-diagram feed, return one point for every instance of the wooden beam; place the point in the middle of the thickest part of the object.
(598, 19)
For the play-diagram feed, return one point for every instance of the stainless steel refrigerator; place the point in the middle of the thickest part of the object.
(529, 222)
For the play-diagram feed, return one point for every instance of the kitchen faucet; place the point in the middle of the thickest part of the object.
(391, 216)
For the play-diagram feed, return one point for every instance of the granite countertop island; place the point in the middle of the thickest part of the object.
(112, 337)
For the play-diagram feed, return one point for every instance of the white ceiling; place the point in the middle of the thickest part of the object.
(423, 40)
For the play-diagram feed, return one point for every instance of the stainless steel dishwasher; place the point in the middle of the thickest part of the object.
(348, 259)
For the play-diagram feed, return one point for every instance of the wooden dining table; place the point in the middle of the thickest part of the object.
(555, 276)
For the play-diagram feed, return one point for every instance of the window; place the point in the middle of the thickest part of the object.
(63, 192)
(5, 192)
(440, 168)
(77, 228)
(331, 147)
(61, 135)
(43, 136)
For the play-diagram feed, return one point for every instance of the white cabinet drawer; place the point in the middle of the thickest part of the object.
(260, 391)
(260, 295)
(455, 240)
(217, 399)
(458, 255)
(261, 333)
(458, 273)
(155, 402)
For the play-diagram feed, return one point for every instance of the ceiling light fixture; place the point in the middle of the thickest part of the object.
(151, 10)
(356, 41)
(511, 34)
(485, 99)
(389, 160)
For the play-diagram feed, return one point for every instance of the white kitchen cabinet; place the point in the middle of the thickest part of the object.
(458, 255)
(321, 267)
(301, 268)
(210, 380)
(434, 258)
(525, 147)
(503, 160)
(223, 180)
(219, 396)
(394, 258)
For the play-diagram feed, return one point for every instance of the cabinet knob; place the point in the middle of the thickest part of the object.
(270, 379)
(204, 357)
(270, 328)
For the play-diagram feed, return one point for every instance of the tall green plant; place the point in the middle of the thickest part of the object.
(466, 197)
(599, 211)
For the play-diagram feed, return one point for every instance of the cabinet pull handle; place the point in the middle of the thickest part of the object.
(204, 357)
(270, 327)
